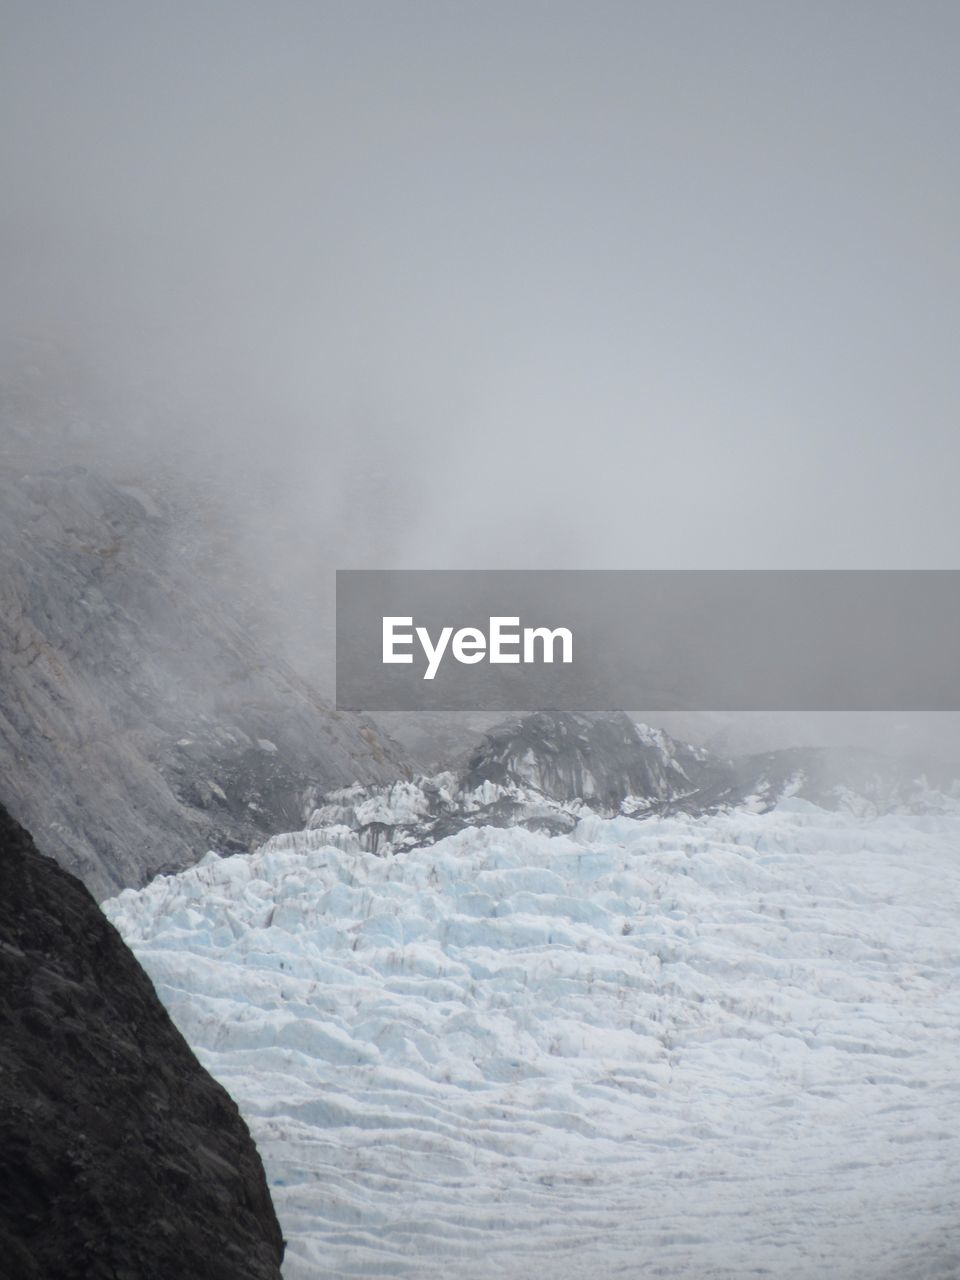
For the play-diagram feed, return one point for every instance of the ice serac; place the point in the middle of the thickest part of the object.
(119, 1154)
(141, 720)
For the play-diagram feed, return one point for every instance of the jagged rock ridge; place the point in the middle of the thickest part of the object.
(120, 1157)
(547, 770)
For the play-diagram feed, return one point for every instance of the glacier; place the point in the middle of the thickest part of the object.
(690, 1046)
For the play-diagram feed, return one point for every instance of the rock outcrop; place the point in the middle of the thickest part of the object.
(120, 1157)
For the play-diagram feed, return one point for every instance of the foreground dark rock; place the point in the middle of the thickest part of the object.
(120, 1157)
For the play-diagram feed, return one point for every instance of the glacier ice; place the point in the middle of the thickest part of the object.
(692, 1046)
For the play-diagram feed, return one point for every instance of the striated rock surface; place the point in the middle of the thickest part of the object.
(141, 722)
(120, 1157)
(600, 760)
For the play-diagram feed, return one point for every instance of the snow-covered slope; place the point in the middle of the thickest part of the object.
(692, 1047)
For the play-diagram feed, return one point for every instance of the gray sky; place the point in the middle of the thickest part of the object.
(565, 284)
(506, 285)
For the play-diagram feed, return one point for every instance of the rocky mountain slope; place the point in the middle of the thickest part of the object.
(141, 721)
(119, 1155)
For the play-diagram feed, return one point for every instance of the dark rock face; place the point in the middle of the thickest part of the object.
(141, 721)
(120, 1157)
(600, 760)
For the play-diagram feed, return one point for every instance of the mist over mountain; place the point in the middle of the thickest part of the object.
(164, 693)
(660, 288)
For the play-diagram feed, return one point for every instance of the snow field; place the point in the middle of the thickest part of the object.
(715, 1047)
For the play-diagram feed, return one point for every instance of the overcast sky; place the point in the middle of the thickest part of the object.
(626, 285)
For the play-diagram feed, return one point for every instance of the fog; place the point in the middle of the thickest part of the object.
(494, 285)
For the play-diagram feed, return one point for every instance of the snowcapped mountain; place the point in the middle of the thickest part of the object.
(143, 720)
(714, 1045)
(546, 771)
